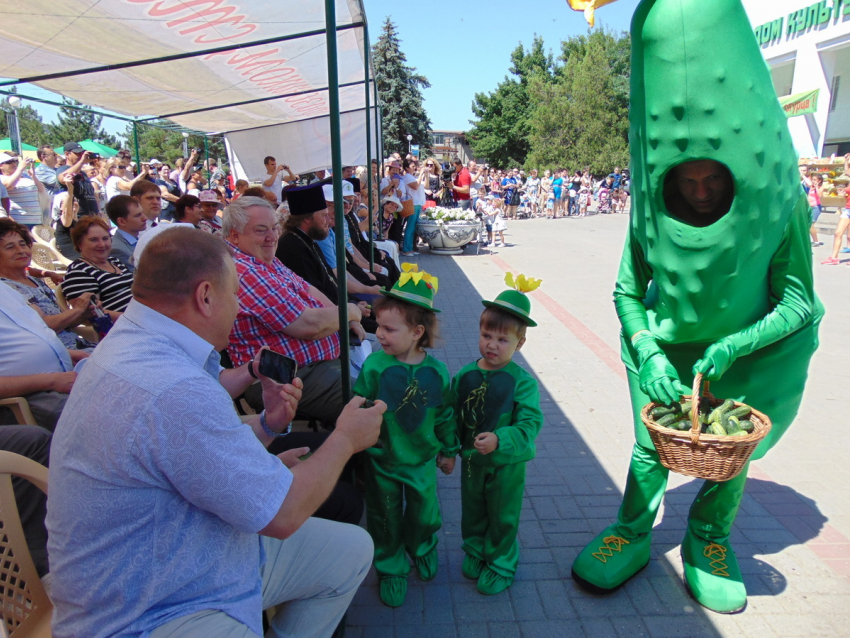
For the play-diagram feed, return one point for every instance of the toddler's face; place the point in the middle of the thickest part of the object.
(497, 348)
(394, 335)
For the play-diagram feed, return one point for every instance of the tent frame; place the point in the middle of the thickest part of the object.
(333, 114)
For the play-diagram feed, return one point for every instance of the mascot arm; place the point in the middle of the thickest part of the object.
(792, 300)
(517, 439)
(658, 378)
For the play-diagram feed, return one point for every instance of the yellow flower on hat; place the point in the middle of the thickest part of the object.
(411, 273)
(522, 283)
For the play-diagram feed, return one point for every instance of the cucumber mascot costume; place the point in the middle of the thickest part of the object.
(727, 292)
(402, 511)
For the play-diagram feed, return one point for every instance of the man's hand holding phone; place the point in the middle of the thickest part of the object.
(360, 425)
(281, 388)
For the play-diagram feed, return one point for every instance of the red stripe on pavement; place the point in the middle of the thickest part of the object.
(597, 346)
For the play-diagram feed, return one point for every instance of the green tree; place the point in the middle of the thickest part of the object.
(75, 125)
(581, 119)
(501, 130)
(33, 130)
(400, 93)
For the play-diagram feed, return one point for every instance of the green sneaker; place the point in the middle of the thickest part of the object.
(472, 567)
(393, 590)
(426, 566)
(712, 575)
(610, 560)
(490, 582)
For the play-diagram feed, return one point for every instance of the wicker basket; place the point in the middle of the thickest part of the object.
(705, 456)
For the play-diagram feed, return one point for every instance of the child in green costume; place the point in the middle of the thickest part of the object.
(716, 274)
(402, 512)
(497, 406)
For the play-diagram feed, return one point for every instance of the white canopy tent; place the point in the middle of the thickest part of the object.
(216, 66)
(263, 74)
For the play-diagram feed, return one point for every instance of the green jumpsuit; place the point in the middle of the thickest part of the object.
(402, 511)
(735, 297)
(506, 402)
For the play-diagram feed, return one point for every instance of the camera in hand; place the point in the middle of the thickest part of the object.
(448, 174)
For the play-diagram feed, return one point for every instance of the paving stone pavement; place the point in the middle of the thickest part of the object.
(791, 535)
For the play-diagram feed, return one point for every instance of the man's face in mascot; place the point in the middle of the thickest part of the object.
(704, 185)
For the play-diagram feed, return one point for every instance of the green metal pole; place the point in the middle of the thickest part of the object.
(367, 55)
(207, 160)
(336, 163)
(136, 142)
(379, 131)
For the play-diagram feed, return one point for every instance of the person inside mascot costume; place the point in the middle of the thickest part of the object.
(716, 274)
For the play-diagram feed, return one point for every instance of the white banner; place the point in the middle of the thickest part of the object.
(304, 146)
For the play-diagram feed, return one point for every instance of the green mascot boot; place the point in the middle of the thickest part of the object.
(472, 567)
(426, 565)
(621, 550)
(393, 590)
(490, 583)
(712, 574)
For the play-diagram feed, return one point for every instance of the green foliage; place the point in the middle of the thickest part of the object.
(400, 93)
(500, 133)
(75, 125)
(566, 113)
(33, 130)
(581, 119)
(166, 144)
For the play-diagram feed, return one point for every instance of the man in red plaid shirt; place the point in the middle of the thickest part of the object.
(280, 310)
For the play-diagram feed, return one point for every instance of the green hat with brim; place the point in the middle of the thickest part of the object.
(419, 293)
(514, 302)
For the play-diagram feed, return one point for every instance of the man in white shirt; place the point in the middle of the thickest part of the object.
(35, 364)
(274, 178)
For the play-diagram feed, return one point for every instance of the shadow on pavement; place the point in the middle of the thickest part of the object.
(569, 497)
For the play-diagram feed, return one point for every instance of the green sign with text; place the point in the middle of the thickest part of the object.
(825, 12)
(800, 103)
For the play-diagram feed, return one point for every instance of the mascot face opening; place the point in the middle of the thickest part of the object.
(699, 192)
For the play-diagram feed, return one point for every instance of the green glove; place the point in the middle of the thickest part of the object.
(658, 378)
(718, 358)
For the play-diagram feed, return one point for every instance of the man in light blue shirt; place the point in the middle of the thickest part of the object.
(167, 512)
(35, 363)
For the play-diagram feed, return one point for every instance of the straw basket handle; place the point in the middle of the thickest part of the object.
(696, 394)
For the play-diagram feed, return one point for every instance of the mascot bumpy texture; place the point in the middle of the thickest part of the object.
(716, 274)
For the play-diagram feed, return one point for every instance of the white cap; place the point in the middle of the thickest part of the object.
(347, 190)
(155, 162)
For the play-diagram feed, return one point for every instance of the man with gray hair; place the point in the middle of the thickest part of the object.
(279, 309)
(167, 516)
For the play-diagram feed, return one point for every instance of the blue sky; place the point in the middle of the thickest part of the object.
(462, 47)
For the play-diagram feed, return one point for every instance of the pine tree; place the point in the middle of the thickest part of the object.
(400, 93)
(500, 133)
(76, 125)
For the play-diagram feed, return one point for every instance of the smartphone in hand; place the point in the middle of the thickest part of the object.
(277, 367)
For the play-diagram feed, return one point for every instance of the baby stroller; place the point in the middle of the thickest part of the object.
(524, 210)
(604, 198)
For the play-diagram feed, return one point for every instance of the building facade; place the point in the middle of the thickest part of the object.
(446, 145)
(806, 44)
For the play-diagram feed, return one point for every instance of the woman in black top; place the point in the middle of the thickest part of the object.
(95, 271)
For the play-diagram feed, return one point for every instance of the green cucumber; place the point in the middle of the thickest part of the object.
(731, 425)
(661, 410)
(667, 420)
(741, 411)
(716, 429)
(747, 426)
(716, 415)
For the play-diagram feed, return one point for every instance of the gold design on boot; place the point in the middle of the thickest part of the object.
(717, 555)
(612, 544)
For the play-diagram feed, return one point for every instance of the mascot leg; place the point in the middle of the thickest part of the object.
(621, 550)
(711, 568)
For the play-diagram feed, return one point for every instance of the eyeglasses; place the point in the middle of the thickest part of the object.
(13, 162)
